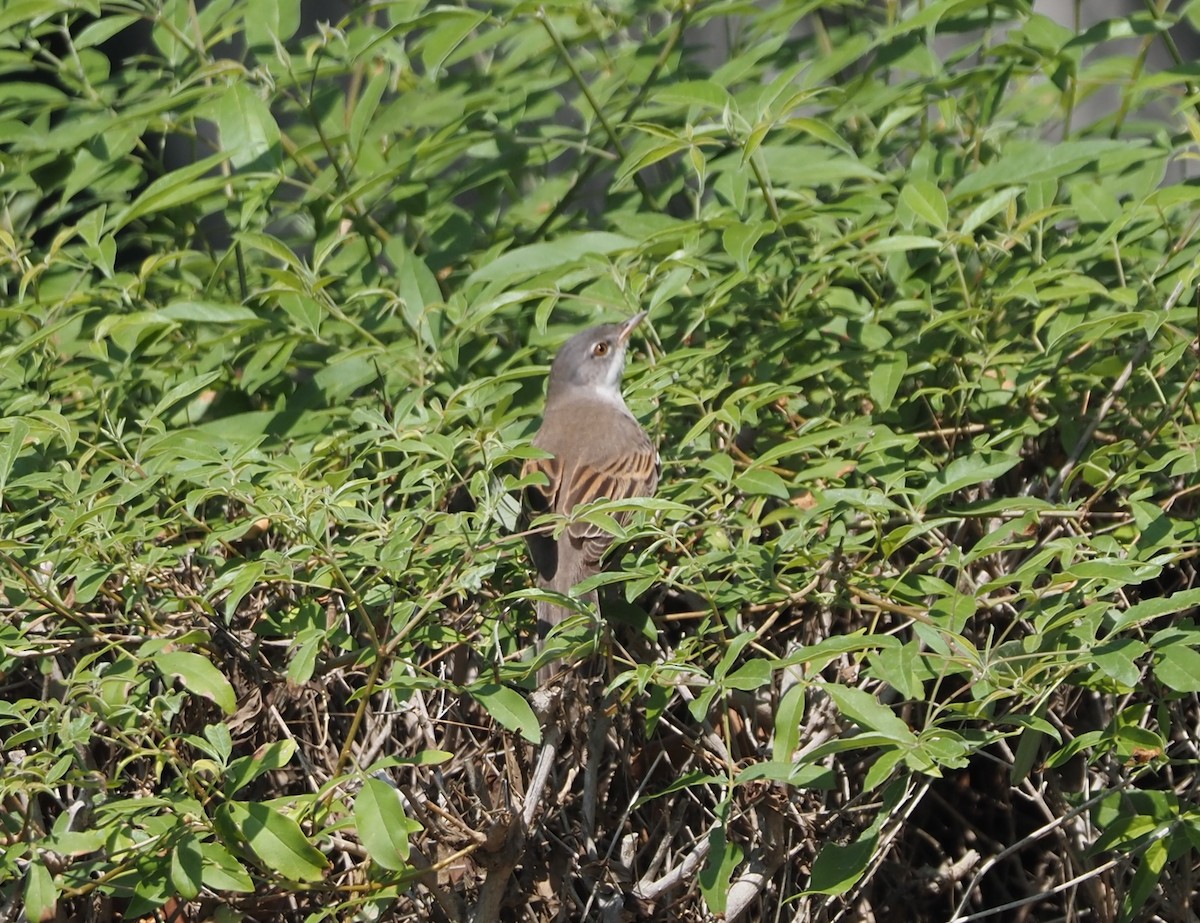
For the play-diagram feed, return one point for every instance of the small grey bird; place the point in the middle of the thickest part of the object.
(599, 450)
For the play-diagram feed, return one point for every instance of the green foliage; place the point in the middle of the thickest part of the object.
(275, 303)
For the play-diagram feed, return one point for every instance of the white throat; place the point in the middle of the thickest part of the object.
(598, 393)
(608, 394)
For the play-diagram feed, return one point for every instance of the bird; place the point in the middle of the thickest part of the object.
(596, 450)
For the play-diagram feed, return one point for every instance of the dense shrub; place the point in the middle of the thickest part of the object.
(909, 631)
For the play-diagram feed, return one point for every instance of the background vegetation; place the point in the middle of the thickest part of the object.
(909, 632)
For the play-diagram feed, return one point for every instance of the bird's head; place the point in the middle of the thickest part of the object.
(592, 361)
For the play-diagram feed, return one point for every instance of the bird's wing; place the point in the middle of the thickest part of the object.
(538, 499)
(571, 483)
(620, 477)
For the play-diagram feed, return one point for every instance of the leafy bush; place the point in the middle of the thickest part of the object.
(909, 629)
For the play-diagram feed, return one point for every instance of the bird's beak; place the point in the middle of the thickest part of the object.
(627, 327)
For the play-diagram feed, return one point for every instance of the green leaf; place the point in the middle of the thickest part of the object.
(986, 210)
(239, 580)
(1155, 607)
(1069, 750)
(198, 675)
(187, 867)
(221, 870)
(646, 153)
(818, 656)
(366, 106)
(207, 312)
(441, 41)
(923, 17)
(903, 243)
(751, 675)
(41, 896)
(220, 741)
(739, 240)
(423, 758)
(183, 186)
(732, 652)
(864, 709)
(1125, 831)
(1149, 871)
(10, 449)
(796, 775)
(881, 769)
(680, 783)
(382, 824)
(21, 12)
(100, 31)
(885, 380)
(704, 93)
(418, 287)
(532, 259)
(965, 472)
(838, 868)
(788, 715)
(927, 201)
(303, 663)
(180, 391)
(761, 482)
(1024, 162)
(1117, 658)
(276, 839)
(1028, 748)
(719, 865)
(822, 131)
(249, 134)
(272, 20)
(1116, 570)
(672, 284)
(267, 758)
(901, 668)
(509, 708)
(1178, 667)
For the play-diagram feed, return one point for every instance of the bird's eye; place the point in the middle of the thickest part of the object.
(600, 349)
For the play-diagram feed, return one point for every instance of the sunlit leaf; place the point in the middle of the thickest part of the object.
(199, 675)
(277, 840)
(509, 708)
(382, 824)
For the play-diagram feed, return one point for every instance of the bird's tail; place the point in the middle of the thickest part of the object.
(549, 615)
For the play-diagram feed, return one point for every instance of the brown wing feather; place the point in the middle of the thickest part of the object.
(570, 483)
(538, 499)
(623, 477)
